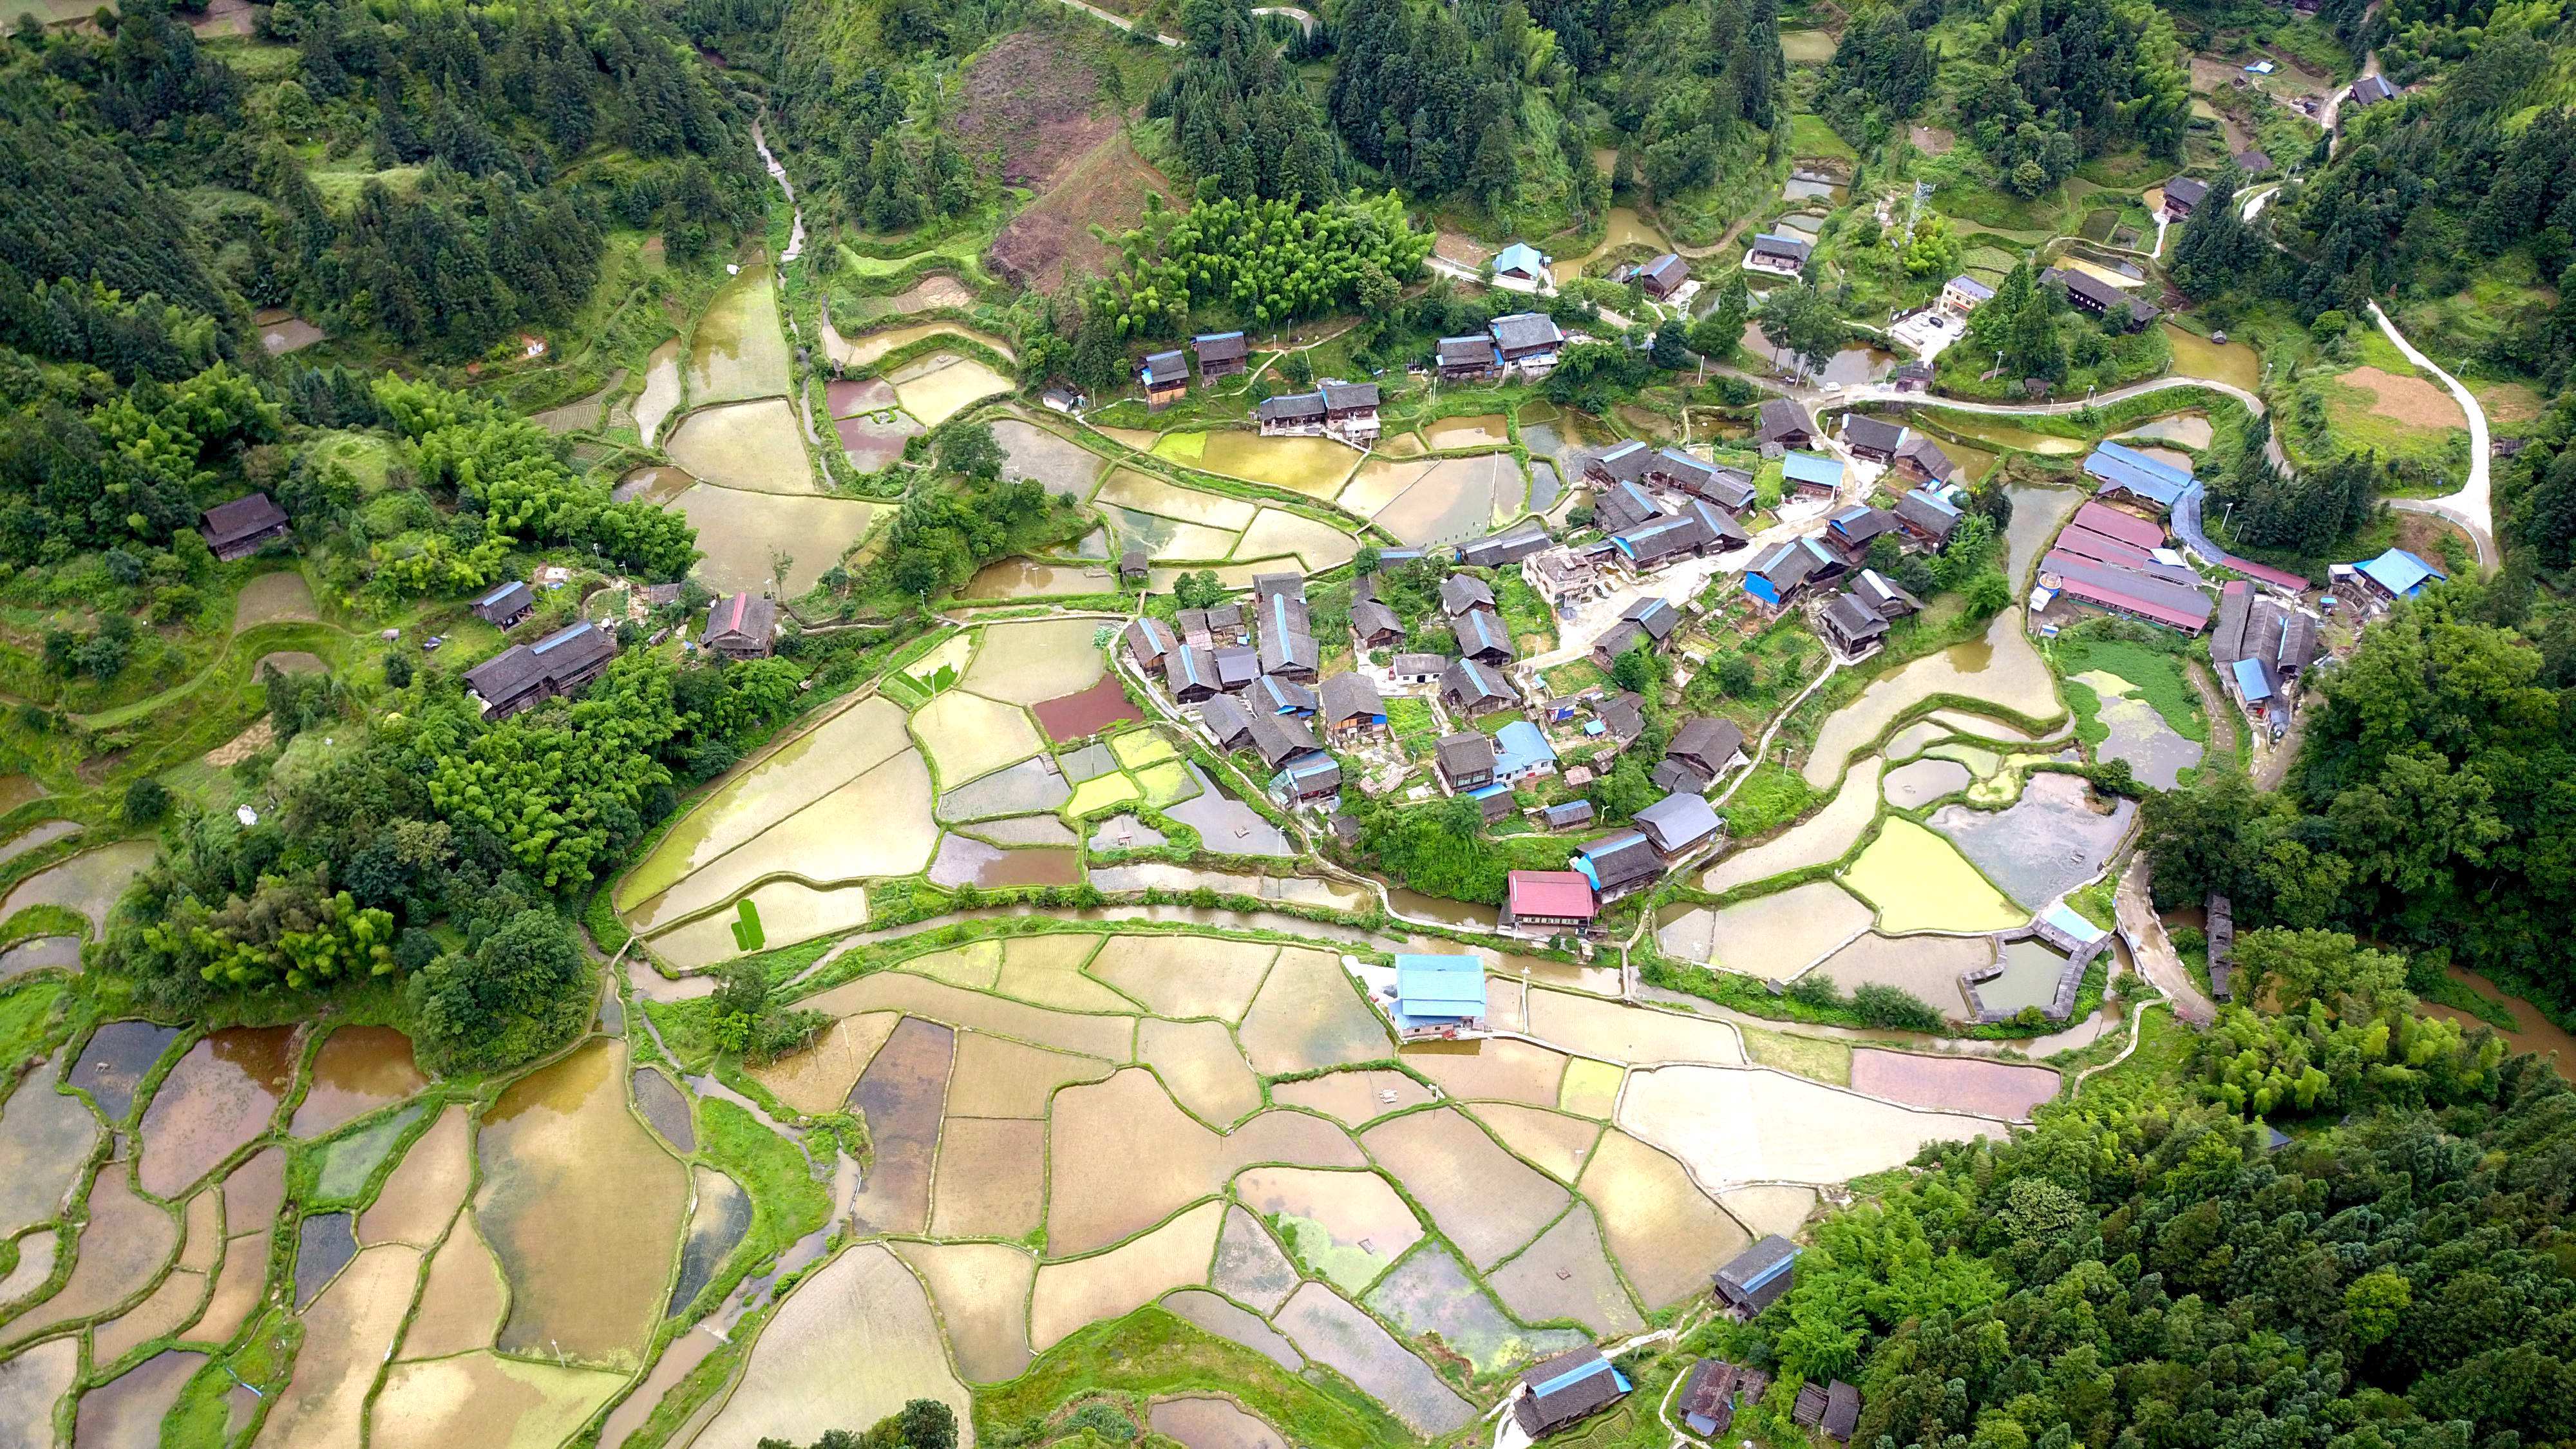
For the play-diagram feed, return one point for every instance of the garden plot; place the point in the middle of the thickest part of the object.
(1487, 1201)
(1667, 1235)
(752, 446)
(1924, 967)
(741, 533)
(1185, 976)
(1315, 467)
(45, 1138)
(1353, 1098)
(2048, 843)
(482, 1398)
(1566, 1277)
(560, 1147)
(1824, 836)
(982, 1290)
(967, 736)
(1774, 936)
(1143, 493)
(1308, 1015)
(1080, 1291)
(422, 1194)
(1032, 662)
(843, 747)
(1919, 883)
(1432, 1298)
(1345, 1227)
(1772, 1209)
(940, 385)
(1125, 1156)
(1172, 541)
(1756, 1125)
(1277, 533)
(2002, 668)
(854, 1343)
(1351, 1343)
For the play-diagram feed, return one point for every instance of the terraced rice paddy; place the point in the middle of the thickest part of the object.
(1925, 967)
(1347, 1227)
(2002, 667)
(1827, 835)
(2049, 842)
(859, 352)
(1030, 451)
(739, 530)
(754, 446)
(738, 350)
(937, 387)
(1919, 882)
(1278, 533)
(1774, 936)
(1315, 467)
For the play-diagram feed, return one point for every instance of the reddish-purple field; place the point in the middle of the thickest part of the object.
(1088, 713)
(1954, 1084)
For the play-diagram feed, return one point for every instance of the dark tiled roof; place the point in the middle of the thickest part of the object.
(1472, 683)
(1165, 368)
(1418, 664)
(1618, 859)
(1666, 272)
(1465, 753)
(1291, 408)
(1677, 822)
(1227, 719)
(743, 617)
(1523, 330)
(1288, 651)
(1221, 347)
(558, 657)
(1862, 431)
(1707, 743)
(1508, 547)
(1462, 592)
(241, 518)
(2189, 190)
(1374, 620)
(1281, 737)
(1774, 244)
(1281, 695)
(1783, 418)
(1855, 621)
(1481, 631)
(1476, 351)
(1657, 617)
(508, 601)
(1345, 695)
(1344, 396)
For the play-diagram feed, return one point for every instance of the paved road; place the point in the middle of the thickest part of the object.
(1305, 20)
(1114, 18)
(2472, 508)
(2153, 950)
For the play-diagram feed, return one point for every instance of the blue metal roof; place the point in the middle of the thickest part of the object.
(1519, 746)
(2400, 573)
(1578, 1375)
(495, 595)
(1438, 986)
(2066, 918)
(1521, 257)
(573, 632)
(2121, 466)
(1812, 468)
(2251, 681)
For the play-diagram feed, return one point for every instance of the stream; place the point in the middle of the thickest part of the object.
(778, 173)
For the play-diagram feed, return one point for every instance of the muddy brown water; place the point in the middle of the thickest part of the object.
(901, 1095)
(222, 1094)
(359, 1069)
(2532, 1031)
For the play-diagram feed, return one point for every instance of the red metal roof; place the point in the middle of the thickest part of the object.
(2283, 578)
(2128, 528)
(1560, 893)
(2085, 543)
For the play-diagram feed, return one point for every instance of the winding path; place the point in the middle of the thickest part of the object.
(2472, 508)
(778, 173)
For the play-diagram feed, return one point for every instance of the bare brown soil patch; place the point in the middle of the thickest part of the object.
(244, 745)
(2409, 400)
(1465, 251)
(1030, 107)
(1050, 241)
(1933, 140)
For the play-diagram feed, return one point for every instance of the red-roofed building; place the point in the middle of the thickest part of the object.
(744, 626)
(2125, 591)
(2128, 528)
(1546, 901)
